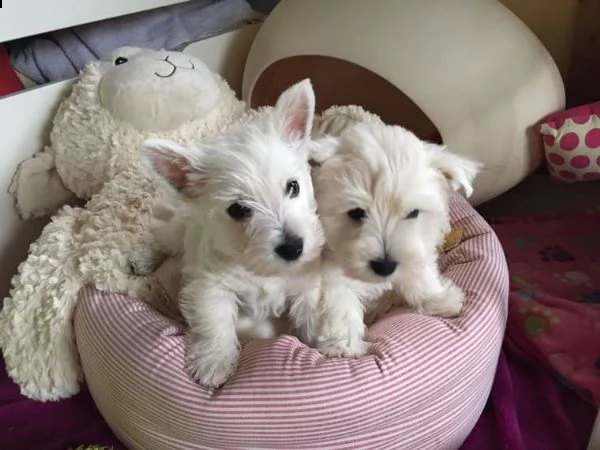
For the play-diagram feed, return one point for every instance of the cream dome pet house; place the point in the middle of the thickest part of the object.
(466, 71)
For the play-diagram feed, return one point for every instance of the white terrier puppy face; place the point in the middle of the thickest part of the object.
(250, 189)
(382, 194)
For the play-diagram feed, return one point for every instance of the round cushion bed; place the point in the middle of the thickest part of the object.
(422, 386)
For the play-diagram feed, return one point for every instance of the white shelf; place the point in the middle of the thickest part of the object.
(21, 18)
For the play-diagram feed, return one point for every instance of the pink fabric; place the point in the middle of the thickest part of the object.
(554, 262)
(572, 143)
(422, 386)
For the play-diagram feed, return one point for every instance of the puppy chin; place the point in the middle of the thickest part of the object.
(265, 268)
(274, 266)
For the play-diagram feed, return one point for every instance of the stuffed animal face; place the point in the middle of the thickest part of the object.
(127, 96)
(156, 90)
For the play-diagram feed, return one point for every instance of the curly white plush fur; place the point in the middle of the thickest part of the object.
(80, 246)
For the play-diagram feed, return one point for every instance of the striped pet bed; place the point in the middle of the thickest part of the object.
(422, 386)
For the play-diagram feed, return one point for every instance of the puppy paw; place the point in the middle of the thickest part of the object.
(343, 348)
(447, 303)
(211, 371)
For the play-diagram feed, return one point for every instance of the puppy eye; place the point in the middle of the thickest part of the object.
(292, 189)
(238, 212)
(413, 214)
(357, 214)
(120, 60)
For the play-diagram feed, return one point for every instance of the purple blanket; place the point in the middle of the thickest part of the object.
(527, 410)
(26, 424)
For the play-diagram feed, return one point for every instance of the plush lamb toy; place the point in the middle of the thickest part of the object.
(130, 95)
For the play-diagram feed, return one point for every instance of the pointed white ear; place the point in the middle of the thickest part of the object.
(295, 111)
(322, 149)
(458, 170)
(177, 165)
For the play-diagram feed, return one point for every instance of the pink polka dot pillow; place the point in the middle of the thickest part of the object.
(572, 143)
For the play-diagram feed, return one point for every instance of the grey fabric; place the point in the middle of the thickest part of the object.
(62, 54)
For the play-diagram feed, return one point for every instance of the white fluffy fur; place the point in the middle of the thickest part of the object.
(389, 173)
(233, 279)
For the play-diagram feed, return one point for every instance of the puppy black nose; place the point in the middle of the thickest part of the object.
(290, 247)
(383, 267)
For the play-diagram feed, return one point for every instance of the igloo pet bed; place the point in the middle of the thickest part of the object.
(467, 72)
(422, 386)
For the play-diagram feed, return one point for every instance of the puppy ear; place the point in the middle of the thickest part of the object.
(458, 170)
(177, 165)
(295, 111)
(322, 149)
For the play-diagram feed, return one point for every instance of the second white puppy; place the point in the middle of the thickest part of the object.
(250, 239)
(383, 195)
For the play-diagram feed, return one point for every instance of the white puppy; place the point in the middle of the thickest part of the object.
(249, 236)
(382, 195)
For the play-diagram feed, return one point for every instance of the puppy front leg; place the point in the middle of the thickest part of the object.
(211, 313)
(342, 328)
(304, 315)
(429, 293)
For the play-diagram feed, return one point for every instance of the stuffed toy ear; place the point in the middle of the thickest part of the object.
(179, 166)
(458, 170)
(295, 111)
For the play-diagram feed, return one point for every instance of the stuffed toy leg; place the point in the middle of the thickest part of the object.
(80, 246)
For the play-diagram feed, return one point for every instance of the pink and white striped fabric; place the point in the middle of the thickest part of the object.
(422, 386)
